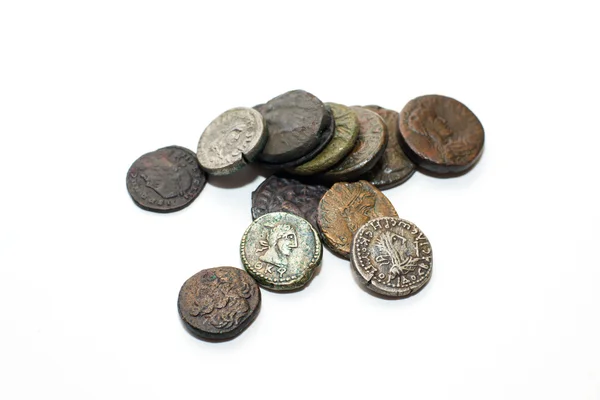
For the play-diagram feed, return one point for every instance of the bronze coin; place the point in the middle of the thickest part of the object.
(218, 303)
(440, 134)
(345, 208)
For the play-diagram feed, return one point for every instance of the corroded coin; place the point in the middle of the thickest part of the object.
(165, 180)
(369, 148)
(231, 140)
(343, 141)
(440, 134)
(394, 167)
(392, 257)
(345, 208)
(287, 195)
(281, 251)
(219, 303)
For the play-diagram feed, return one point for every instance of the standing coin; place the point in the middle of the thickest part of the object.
(287, 195)
(231, 141)
(345, 208)
(219, 303)
(165, 180)
(391, 257)
(281, 251)
(440, 134)
(394, 167)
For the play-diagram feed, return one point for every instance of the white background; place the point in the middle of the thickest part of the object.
(89, 282)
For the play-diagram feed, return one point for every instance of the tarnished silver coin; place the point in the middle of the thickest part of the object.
(232, 140)
(281, 251)
(391, 257)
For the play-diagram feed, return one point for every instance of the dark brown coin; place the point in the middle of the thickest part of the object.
(394, 167)
(440, 134)
(219, 303)
(277, 194)
(296, 122)
(165, 180)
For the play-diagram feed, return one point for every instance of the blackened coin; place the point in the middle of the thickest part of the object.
(219, 303)
(165, 180)
(440, 134)
(392, 257)
(281, 251)
(287, 195)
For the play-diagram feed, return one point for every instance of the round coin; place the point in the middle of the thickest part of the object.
(345, 208)
(394, 167)
(165, 180)
(218, 303)
(391, 257)
(281, 251)
(440, 134)
(287, 195)
(231, 141)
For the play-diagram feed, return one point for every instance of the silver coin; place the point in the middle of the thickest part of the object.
(281, 251)
(232, 140)
(391, 257)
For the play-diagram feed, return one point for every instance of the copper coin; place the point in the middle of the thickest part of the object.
(440, 134)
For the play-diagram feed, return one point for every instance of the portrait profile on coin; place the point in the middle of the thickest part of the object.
(166, 175)
(281, 239)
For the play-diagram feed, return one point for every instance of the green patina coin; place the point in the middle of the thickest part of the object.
(344, 139)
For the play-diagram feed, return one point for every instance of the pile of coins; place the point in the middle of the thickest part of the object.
(330, 162)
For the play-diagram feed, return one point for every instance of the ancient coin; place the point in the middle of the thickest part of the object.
(231, 140)
(391, 257)
(441, 135)
(368, 150)
(165, 180)
(394, 167)
(287, 195)
(219, 303)
(345, 208)
(296, 122)
(281, 251)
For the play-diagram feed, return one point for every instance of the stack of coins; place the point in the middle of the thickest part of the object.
(330, 163)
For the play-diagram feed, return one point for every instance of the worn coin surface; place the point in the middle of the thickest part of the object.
(392, 257)
(345, 208)
(440, 134)
(287, 195)
(165, 180)
(281, 251)
(296, 122)
(219, 303)
(231, 141)
(394, 167)
(368, 150)
(343, 141)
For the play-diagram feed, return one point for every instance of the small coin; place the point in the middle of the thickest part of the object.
(345, 208)
(281, 251)
(231, 141)
(343, 141)
(219, 303)
(391, 257)
(165, 180)
(368, 150)
(440, 134)
(395, 167)
(287, 195)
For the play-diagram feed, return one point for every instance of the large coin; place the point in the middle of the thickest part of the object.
(287, 195)
(392, 257)
(394, 167)
(218, 303)
(281, 251)
(165, 180)
(345, 208)
(440, 134)
(368, 150)
(231, 140)
(296, 122)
